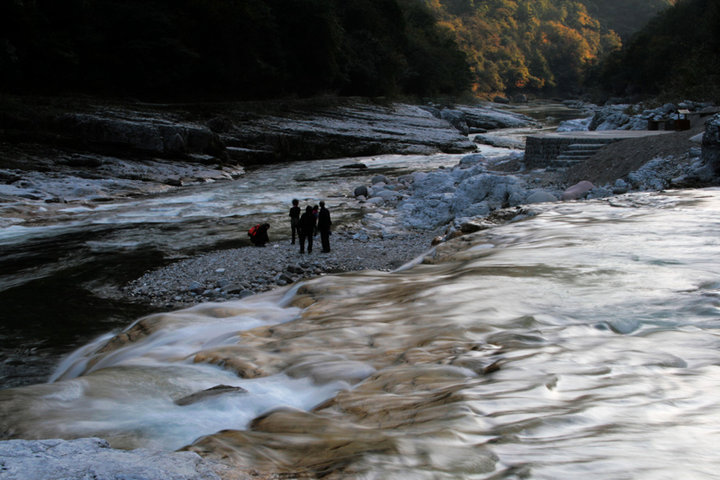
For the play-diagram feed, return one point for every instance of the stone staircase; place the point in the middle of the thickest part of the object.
(575, 153)
(560, 150)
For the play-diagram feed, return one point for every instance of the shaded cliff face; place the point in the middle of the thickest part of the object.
(220, 133)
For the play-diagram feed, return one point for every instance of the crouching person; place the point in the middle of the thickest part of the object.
(258, 234)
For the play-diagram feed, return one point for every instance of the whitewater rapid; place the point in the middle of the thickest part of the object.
(582, 340)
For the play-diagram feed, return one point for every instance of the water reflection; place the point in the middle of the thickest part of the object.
(580, 341)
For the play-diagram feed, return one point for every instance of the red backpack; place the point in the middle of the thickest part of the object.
(253, 230)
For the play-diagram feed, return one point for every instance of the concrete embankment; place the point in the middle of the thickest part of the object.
(564, 149)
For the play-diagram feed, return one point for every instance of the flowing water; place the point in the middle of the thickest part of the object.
(583, 341)
(54, 257)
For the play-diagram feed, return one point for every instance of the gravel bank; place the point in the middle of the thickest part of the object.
(237, 273)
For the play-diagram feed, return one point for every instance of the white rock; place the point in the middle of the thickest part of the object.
(93, 458)
(473, 159)
(541, 196)
(579, 190)
(575, 125)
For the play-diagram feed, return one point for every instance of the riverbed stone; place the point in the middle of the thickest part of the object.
(541, 196)
(456, 119)
(711, 143)
(210, 393)
(295, 269)
(361, 191)
(577, 191)
(93, 458)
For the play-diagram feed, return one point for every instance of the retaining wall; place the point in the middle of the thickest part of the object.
(542, 150)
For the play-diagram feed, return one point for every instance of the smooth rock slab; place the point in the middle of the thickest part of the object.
(92, 458)
(577, 191)
(540, 196)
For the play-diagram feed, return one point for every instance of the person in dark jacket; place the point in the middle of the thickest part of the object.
(307, 229)
(316, 212)
(258, 234)
(294, 219)
(323, 227)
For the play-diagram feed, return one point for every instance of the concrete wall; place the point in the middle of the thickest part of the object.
(541, 150)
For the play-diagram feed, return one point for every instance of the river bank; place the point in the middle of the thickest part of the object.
(94, 193)
(590, 314)
(237, 273)
(448, 202)
(478, 192)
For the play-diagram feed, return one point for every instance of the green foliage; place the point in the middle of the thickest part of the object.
(678, 54)
(526, 45)
(226, 48)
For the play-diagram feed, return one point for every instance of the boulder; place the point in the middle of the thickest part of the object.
(500, 142)
(620, 187)
(489, 118)
(609, 117)
(388, 195)
(711, 144)
(456, 119)
(575, 125)
(474, 194)
(472, 226)
(209, 393)
(297, 269)
(361, 191)
(579, 190)
(471, 160)
(427, 212)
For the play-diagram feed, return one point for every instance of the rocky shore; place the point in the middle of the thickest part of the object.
(93, 150)
(240, 272)
(431, 207)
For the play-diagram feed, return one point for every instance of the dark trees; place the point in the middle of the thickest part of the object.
(226, 48)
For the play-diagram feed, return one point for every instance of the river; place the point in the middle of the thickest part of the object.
(582, 341)
(55, 256)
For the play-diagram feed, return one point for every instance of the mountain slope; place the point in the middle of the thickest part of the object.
(677, 54)
(539, 46)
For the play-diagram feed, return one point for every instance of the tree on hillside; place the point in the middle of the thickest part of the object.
(625, 16)
(526, 45)
(227, 48)
(678, 53)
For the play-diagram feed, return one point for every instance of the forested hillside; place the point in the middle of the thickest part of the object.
(677, 54)
(541, 46)
(625, 17)
(227, 48)
(249, 49)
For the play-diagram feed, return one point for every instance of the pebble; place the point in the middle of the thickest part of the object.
(237, 273)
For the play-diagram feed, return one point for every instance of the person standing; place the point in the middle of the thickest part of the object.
(323, 226)
(294, 219)
(316, 212)
(307, 229)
